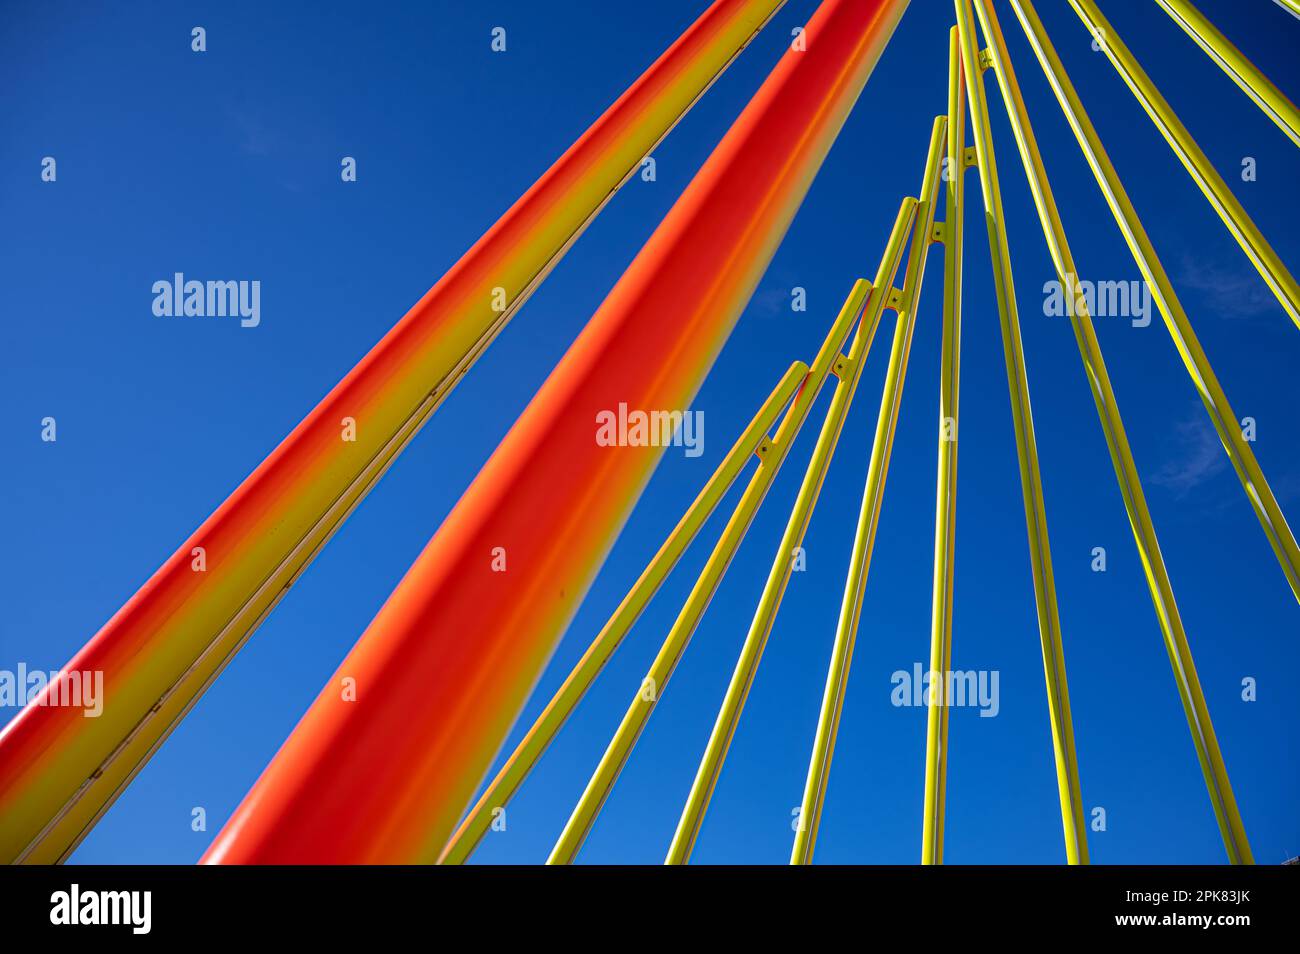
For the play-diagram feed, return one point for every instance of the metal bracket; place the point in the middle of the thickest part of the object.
(895, 299)
(842, 367)
(939, 233)
(969, 157)
(986, 58)
(764, 447)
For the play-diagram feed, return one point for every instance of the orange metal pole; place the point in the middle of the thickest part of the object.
(447, 664)
(58, 771)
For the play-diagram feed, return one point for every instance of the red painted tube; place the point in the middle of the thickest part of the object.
(447, 664)
(59, 771)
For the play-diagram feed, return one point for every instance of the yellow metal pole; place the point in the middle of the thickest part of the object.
(1031, 483)
(847, 370)
(1232, 61)
(661, 670)
(1240, 224)
(1290, 6)
(1207, 384)
(850, 373)
(945, 511)
(753, 441)
(1180, 656)
(160, 652)
(837, 675)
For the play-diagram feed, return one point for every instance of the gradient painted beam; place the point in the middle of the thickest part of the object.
(1126, 473)
(652, 688)
(58, 771)
(753, 442)
(445, 667)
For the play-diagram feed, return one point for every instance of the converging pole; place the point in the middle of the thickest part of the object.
(1193, 158)
(1144, 534)
(445, 667)
(864, 540)
(652, 687)
(754, 442)
(945, 510)
(848, 369)
(160, 651)
(1232, 61)
(1258, 491)
(1031, 481)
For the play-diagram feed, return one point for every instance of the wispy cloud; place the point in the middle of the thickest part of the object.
(1198, 456)
(1235, 291)
(1286, 486)
(253, 135)
(771, 301)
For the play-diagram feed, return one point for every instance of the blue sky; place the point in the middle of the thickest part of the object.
(226, 165)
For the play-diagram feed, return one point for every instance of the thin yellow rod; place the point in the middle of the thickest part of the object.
(849, 372)
(1031, 482)
(661, 670)
(1198, 366)
(1232, 61)
(945, 510)
(1180, 656)
(837, 675)
(1194, 160)
(1290, 6)
(754, 440)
